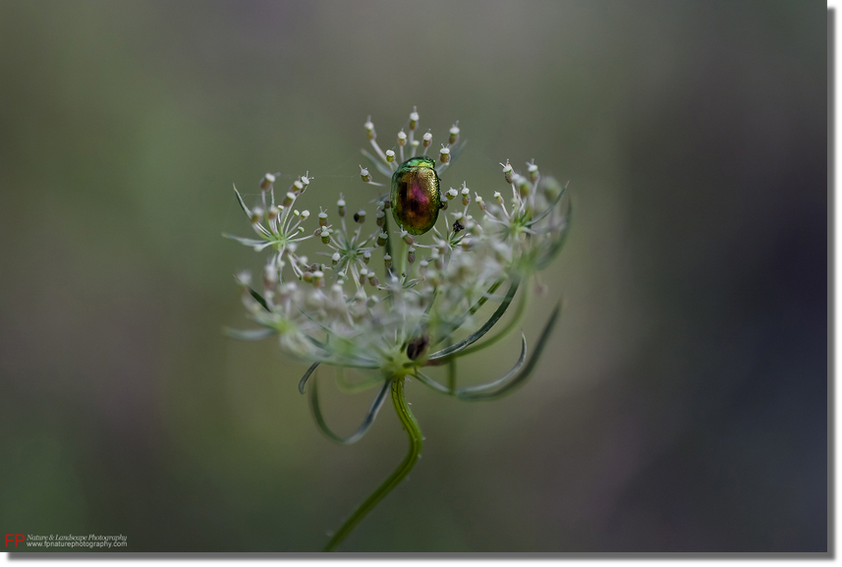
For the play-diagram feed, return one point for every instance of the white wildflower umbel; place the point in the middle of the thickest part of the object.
(388, 299)
(279, 227)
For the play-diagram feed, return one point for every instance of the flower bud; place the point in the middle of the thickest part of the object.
(451, 194)
(289, 199)
(256, 213)
(523, 186)
(444, 154)
(407, 237)
(380, 217)
(480, 202)
(410, 254)
(387, 260)
(325, 234)
(369, 129)
(272, 213)
(551, 189)
(533, 171)
(365, 175)
(390, 156)
(360, 216)
(427, 140)
(335, 258)
(372, 279)
(267, 181)
(413, 119)
(454, 133)
(322, 218)
(473, 227)
(401, 138)
(367, 257)
(508, 171)
(466, 195)
(340, 204)
(382, 239)
(318, 278)
(244, 278)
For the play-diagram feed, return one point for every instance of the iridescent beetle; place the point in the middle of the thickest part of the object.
(416, 195)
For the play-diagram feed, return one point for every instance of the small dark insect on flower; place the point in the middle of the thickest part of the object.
(457, 226)
(356, 217)
(417, 346)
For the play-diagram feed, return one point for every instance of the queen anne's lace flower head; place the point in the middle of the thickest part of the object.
(393, 285)
(380, 285)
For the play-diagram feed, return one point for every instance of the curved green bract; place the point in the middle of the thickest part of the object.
(549, 208)
(502, 333)
(351, 387)
(556, 245)
(427, 381)
(259, 298)
(506, 384)
(249, 334)
(242, 204)
(470, 390)
(501, 309)
(474, 308)
(361, 430)
(516, 379)
(415, 444)
(306, 376)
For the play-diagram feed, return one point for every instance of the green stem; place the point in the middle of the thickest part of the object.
(415, 443)
(388, 241)
(404, 269)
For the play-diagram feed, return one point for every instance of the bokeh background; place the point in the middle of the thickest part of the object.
(681, 405)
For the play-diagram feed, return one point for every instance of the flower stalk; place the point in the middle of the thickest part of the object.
(416, 441)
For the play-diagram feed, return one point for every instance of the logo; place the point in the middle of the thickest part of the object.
(15, 538)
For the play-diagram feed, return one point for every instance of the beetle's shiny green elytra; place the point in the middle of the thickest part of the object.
(416, 197)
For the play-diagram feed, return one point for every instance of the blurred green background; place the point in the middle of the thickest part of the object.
(682, 404)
